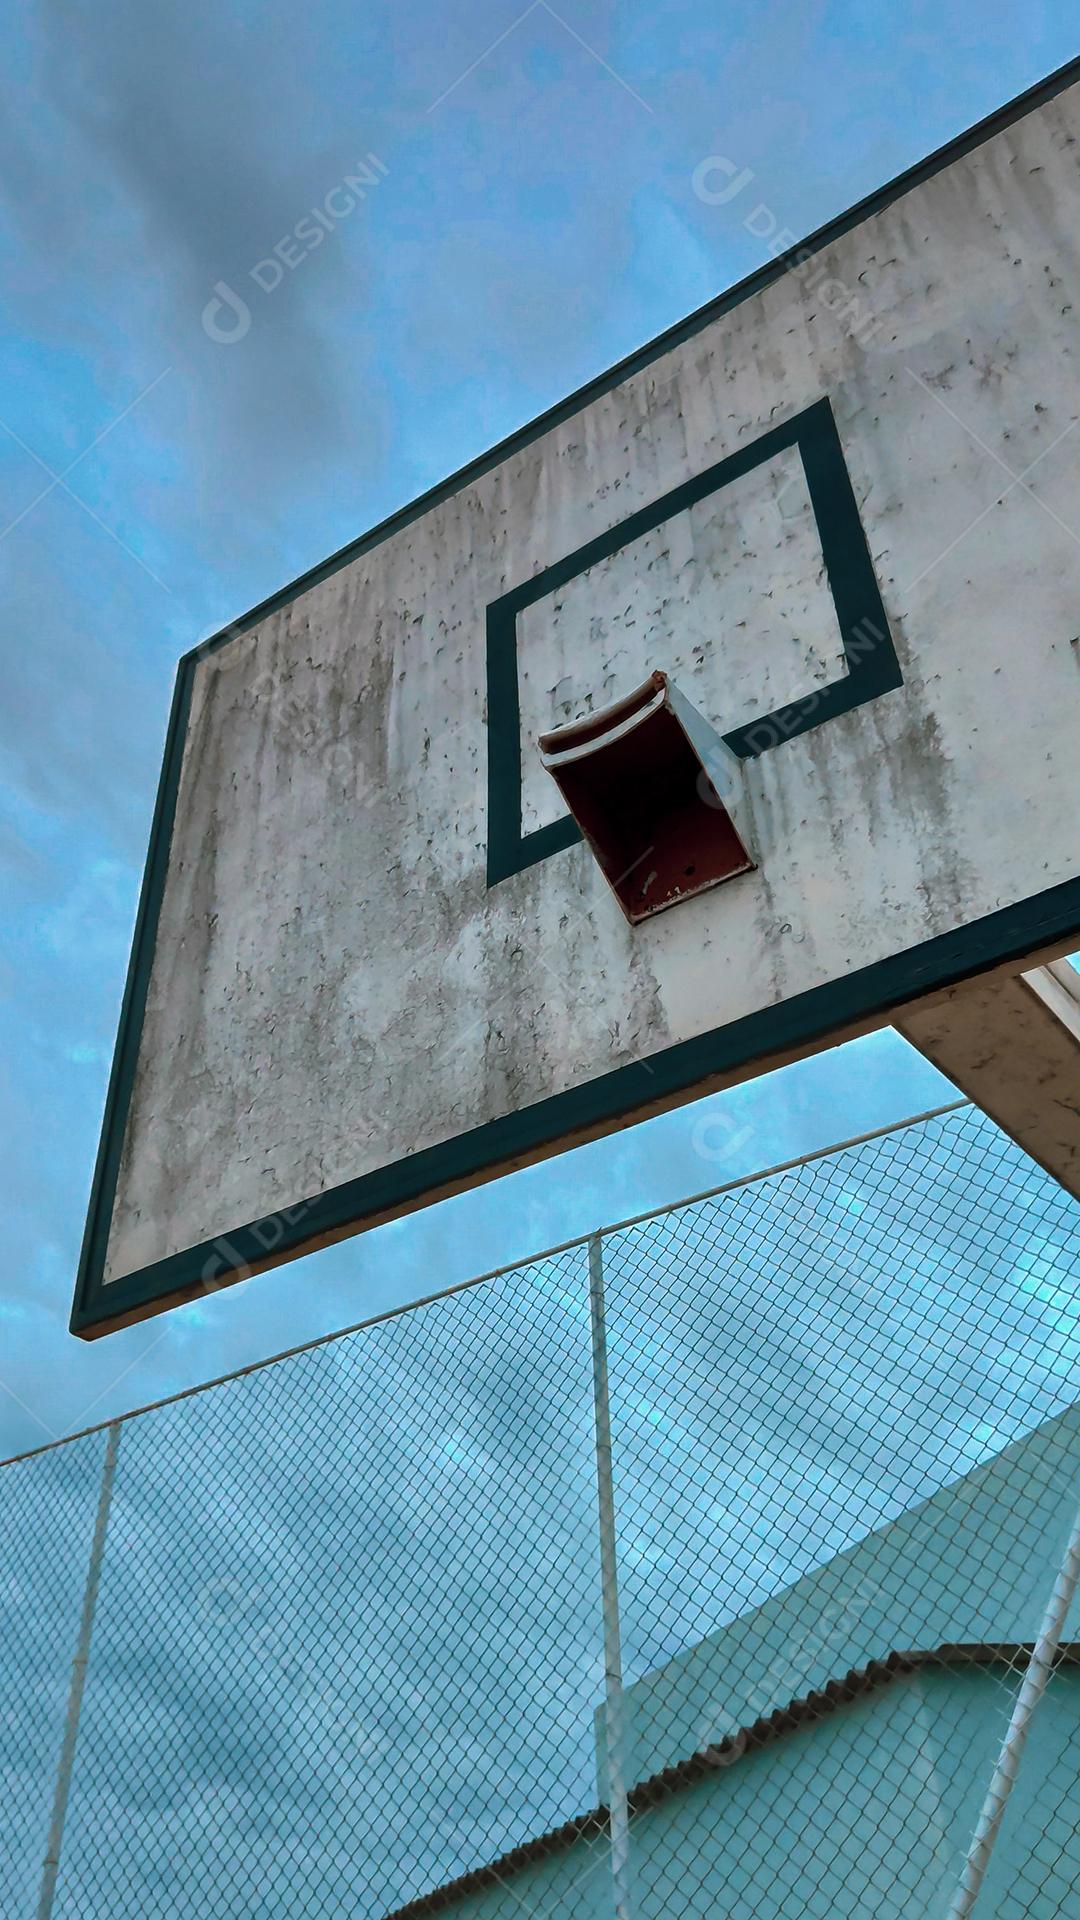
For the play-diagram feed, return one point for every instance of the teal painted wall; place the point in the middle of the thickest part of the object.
(867, 1813)
(975, 1562)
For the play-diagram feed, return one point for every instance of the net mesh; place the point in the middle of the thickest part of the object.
(843, 1430)
(47, 1510)
(355, 1651)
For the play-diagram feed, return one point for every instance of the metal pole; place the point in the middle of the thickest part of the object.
(614, 1720)
(1033, 1686)
(51, 1866)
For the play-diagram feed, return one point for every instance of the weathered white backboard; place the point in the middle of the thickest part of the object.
(841, 506)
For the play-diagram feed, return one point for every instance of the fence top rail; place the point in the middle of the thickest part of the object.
(493, 1273)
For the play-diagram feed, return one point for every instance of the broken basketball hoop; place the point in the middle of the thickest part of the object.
(658, 796)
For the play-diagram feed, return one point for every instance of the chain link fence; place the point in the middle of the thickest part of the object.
(719, 1565)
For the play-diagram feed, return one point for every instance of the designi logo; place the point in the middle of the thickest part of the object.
(224, 303)
(226, 317)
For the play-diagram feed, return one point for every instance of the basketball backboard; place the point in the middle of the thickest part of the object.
(374, 961)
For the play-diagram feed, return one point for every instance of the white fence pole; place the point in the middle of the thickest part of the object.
(51, 1865)
(1032, 1688)
(614, 1721)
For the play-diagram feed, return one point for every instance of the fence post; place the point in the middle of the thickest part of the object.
(614, 1720)
(51, 1864)
(1034, 1685)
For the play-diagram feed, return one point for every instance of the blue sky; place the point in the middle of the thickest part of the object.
(533, 219)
